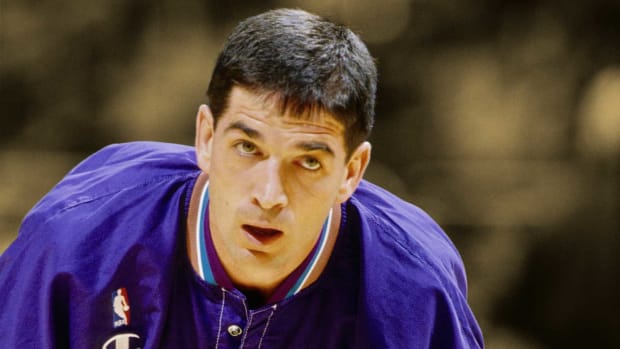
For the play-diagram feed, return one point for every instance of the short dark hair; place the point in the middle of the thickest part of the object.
(308, 63)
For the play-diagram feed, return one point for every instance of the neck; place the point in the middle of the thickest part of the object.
(256, 294)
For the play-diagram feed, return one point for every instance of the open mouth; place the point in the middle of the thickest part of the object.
(262, 235)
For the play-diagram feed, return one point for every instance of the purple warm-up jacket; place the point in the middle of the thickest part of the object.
(101, 262)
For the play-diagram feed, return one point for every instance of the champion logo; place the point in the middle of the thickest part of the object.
(120, 307)
(122, 341)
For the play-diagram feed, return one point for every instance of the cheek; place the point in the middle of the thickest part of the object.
(223, 168)
(223, 215)
(321, 188)
(229, 187)
(313, 200)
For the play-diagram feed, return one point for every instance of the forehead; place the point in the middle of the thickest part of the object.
(267, 108)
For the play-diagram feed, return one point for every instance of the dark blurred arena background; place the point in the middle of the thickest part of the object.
(500, 118)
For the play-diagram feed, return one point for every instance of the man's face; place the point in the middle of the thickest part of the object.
(272, 180)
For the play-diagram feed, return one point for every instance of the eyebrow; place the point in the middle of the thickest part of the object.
(315, 146)
(250, 132)
(306, 146)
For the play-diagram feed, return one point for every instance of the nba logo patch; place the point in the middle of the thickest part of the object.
(120, 305)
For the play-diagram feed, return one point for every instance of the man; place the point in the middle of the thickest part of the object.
(263, 235)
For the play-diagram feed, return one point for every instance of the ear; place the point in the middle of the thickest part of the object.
(204, 137)
(354, 171)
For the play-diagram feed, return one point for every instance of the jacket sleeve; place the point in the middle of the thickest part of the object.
(30, 316)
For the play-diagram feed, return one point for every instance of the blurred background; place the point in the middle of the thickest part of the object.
(499, 118)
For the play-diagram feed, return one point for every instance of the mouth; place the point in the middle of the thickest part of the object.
(260, 235)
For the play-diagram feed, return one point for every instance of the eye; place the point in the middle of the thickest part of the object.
(310, 163)
(246, 148)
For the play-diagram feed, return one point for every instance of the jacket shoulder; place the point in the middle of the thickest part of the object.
(111, 196)
(398, 225)
(117, 168)
(411, 271)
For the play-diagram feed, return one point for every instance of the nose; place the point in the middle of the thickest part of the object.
(269, 192)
